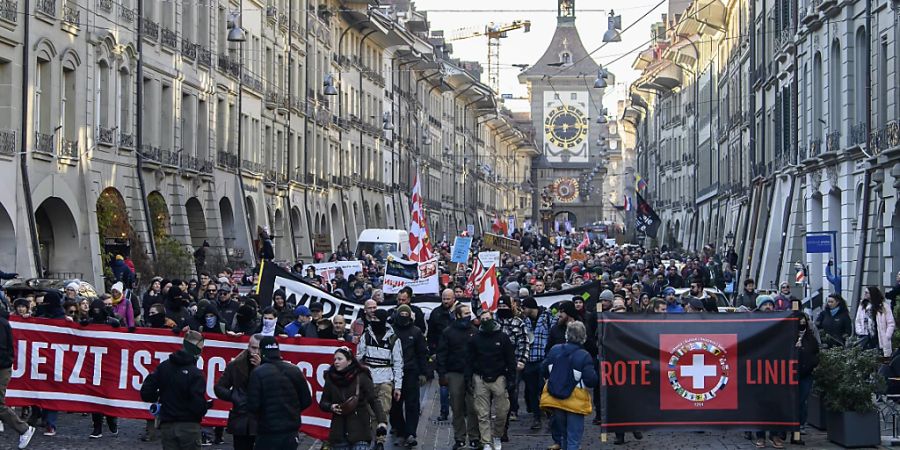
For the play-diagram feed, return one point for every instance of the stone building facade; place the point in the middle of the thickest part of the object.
(125, 128)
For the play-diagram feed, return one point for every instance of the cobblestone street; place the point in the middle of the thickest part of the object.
(73, 430)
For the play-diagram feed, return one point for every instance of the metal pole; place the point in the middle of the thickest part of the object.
(139, 89)
(23, 156)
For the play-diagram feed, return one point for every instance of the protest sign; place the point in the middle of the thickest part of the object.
(326, 270)
(501, 243)
(62, 366)
(422, 277)
(461, 246)
(699, 371)
(489, 259)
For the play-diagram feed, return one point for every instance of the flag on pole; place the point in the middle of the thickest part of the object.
(627, 204)
(489, 290)
(640, 182)
(419, 243)
(584, 243)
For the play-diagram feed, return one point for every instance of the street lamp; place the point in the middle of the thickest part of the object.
(236, 31)
(387, 122)
(614, 24)
(329, 85)
(600, 81)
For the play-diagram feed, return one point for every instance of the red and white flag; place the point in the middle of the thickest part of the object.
(489, 290)
(419, 243)
(584, 244)
(474, 278)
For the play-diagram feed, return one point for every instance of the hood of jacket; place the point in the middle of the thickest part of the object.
(182, 358)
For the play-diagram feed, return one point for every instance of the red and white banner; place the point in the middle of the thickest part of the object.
(419, 241)
(63, 366)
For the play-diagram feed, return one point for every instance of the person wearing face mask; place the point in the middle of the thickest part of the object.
(246, 321)
(834, 322)
(152, 296)
(180, 389)
(380, 349)
(405, 411)
(284, 312)
(514, 329)
(492, 361)
(452, 365)
(232, 387)
(176, 307)
(808, 359)
(207, 319)
(269, 324)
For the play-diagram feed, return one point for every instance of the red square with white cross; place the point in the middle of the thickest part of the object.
(698, 371)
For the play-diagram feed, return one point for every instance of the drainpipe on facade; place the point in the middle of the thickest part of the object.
(240, 143)
(139, 90)
(309, 225)
(863, 239)
(23, 155)
(290, 84)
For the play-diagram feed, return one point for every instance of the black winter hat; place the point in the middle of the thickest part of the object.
(568, 307)
(269, 349)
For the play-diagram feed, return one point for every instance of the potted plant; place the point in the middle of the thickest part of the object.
(846, 380)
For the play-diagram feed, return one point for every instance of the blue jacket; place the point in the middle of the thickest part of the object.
(581, 362)
(674, 308)
(834, 278)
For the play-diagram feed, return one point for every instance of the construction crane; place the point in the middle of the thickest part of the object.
(494, 33)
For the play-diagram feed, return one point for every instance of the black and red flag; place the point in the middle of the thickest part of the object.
(646, 218)
(699, 371)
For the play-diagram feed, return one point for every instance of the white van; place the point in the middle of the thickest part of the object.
(380, 242)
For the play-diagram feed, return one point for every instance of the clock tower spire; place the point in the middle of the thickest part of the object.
(565, 9)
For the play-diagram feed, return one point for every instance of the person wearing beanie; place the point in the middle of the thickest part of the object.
(514, 329)
(405, 412)
(246, 320)
(180, 389)
(765, 303)
(380, 349)
(694, 305)
(232, 387)
(284, 312)
(606, 299)
(618, 306)
(492, 365)
(566, 313)
(122, 305)
(452, 365)
(569, 366)
(303, 325)
(277, 394)
(672, 305)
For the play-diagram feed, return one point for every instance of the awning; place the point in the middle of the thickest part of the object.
(684, 51)
(643, 59)
(665, 75)
(703, 17)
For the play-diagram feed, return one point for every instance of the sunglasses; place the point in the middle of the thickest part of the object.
(71, 312)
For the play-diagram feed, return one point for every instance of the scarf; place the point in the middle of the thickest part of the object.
(834, 311)
(343, 378)
(268, 327)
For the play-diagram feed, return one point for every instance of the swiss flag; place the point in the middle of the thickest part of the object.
(489, 290)
(698, 372)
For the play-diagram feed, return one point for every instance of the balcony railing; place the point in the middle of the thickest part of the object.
(189, 49)
(252, 166)
(227, 160)
(127, 15)
(150, 29)
(105, 5)
(251, 81)
(8, 142)
(71, 14)
(44, 142)
(150, 153)
(106, 136)
(784, 40)
(815, 147)
(204, 56)
(68, 149)
(833, 141)
(47, 7)
(169, 39)
(229, 65)
(9, 11)
(858, 134)
(885, 137)
(126, 140)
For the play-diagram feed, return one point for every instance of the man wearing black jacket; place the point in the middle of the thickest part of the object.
(404, 297)
(180, 388)
(452, 366)
(277, 395)
(232, 387)
(492, 361)
(414, 355)
(439, 319)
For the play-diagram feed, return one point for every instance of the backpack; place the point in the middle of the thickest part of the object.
(562, 380)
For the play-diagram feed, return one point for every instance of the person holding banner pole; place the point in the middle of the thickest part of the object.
(232, 387)
(7, 355)
(178, 388)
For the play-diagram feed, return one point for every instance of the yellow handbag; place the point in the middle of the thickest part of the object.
(577, 403)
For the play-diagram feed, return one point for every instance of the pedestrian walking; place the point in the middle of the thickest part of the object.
(277, 394)
(232, 387)
(492, 362)
(349, 394)
(405, 411)
(380, 350)
(439, 319)
(452, 367)
(179, 388)
(514, 329)
(834, 323)
(570, 373)
(808, 359)
(538, 321)
(874, 322)
(7, 355)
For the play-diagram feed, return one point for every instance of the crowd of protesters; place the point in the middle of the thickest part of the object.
(481, 359)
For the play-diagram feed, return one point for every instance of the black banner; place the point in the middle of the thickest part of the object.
(699, 371)
(646, 218)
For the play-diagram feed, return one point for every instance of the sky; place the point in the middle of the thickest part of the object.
(526, 48)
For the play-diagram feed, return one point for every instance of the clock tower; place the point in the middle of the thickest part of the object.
(565, 117)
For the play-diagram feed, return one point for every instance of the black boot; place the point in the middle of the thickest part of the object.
(638, 435)
(620, 439)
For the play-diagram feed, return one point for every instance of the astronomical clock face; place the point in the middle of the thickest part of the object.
(566, 126)
(566, 189)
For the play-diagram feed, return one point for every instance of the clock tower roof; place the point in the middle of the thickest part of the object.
(565, 47)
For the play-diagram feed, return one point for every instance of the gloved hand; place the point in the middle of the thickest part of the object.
(422, 380)
(381, 430)
(131, 329)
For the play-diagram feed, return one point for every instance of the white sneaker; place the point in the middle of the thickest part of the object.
(25, 438)
(497, 443)
(487, 447)
(2, 428)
